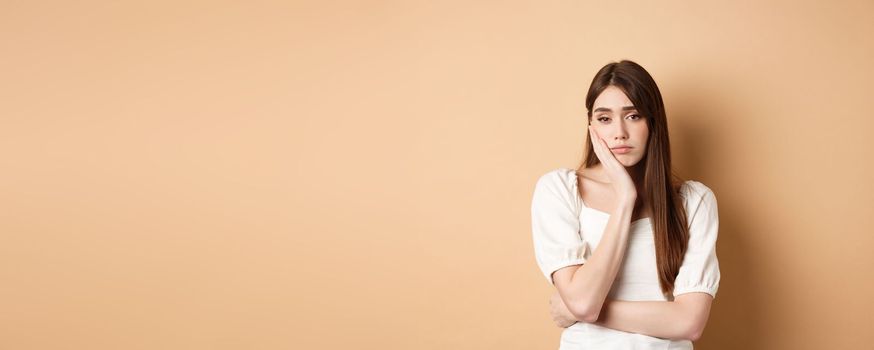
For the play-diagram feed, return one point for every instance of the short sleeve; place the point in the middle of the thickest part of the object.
(555, 223)
(700, 269)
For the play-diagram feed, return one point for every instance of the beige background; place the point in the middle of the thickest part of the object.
(358, 175)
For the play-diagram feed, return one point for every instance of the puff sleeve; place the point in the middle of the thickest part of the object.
(555, 224)
(700, 269)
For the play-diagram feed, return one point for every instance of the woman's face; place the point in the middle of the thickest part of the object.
(618, 123)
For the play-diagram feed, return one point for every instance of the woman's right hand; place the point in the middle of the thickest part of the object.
(623, 186)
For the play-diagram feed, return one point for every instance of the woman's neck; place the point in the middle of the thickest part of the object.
(637, 173)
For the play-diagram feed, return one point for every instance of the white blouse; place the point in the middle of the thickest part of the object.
(566, 232)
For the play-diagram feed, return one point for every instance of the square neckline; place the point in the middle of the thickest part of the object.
(605, 214)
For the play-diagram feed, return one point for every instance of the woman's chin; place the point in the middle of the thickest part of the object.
(628, 163)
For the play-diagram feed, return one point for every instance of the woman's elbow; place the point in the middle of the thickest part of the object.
(585, 313)
(696, 312)
(694, 336)
(694, 331)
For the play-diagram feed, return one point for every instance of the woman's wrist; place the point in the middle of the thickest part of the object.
(627, 202)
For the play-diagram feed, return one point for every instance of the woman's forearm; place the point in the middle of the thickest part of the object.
(588, 286)
(662, 319)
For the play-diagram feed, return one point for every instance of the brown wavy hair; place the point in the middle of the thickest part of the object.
(661, 185)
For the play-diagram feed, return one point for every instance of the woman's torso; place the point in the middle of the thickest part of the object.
(637, 279)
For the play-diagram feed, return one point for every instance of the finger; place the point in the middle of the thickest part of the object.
(593, 137)
(599, 147)
(603, 151)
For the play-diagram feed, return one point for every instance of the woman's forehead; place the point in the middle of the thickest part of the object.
(613, 98)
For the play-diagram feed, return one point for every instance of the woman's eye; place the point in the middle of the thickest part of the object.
(603, 119)
(635, 116)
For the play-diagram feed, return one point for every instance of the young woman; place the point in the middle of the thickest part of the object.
(629, 246)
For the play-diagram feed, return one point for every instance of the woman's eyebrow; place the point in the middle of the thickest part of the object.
(605, 109)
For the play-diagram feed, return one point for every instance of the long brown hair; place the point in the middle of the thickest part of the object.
(661, 185)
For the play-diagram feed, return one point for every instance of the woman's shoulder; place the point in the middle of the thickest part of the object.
(558, 176)
(695, 191)
(561, 182)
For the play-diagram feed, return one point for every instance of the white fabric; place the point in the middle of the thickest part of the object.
(566, 232)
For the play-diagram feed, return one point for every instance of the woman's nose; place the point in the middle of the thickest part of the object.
(619, 133)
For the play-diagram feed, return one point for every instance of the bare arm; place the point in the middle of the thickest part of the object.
(683, 318)
(583, 288)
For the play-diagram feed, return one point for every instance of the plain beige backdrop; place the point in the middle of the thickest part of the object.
(358, 175)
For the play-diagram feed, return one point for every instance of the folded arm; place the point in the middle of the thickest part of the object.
(584, 288)
(683, 318)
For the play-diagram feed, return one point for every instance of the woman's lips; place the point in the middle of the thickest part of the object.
(621, 150)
